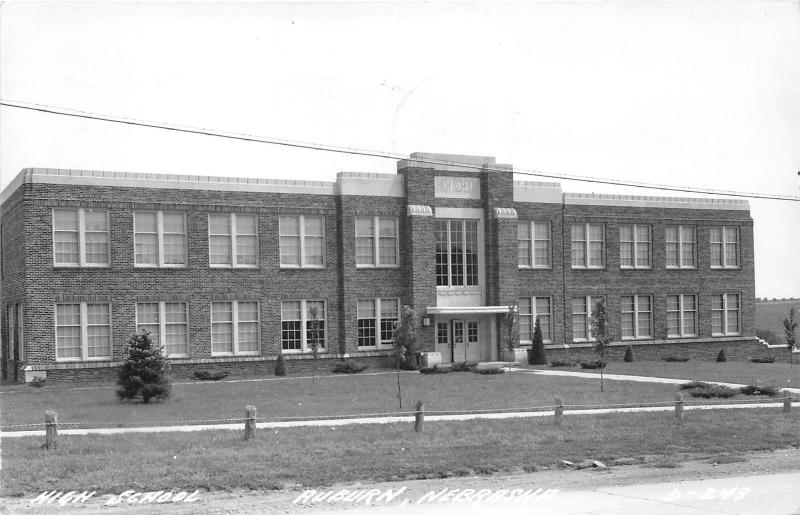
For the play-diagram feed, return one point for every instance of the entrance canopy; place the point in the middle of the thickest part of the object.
(466, 310)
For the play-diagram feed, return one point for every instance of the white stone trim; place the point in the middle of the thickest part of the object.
(598, 199)
(537, 192)
(416, 210)
(370, 184)
(505, 212)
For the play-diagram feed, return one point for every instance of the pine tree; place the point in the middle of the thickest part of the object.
(537, 355)
(144, 372)
(601, 332)
(721, 357)
(628, 358)
(789, 327)
(280, 365)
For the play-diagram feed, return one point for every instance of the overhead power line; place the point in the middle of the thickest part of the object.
(374, 153)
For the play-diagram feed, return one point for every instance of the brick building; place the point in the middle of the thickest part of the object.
(229, 272)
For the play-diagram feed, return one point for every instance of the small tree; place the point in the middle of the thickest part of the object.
(628, 358)
(510, 326)
(144, 372)
(280, 365)
(721, 357)
(315, 339)
(601, 332)
(789, 328)
(537, 355)
(405, 341)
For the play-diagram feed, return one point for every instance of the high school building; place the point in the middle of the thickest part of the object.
(228, 272)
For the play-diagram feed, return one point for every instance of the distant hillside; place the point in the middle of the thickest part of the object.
(770, 315)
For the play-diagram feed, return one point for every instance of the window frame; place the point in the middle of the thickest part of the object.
(302, 243)
(723, 229)
(160, 240)
(305, 347)
(590, 301)
(547, 338)
(82, 263)
(586, 243)
(235, 351)
(449, 245)
(380, 343)
(636, 312)
(84, 333)
(531, 233)
(680, 242)
(725, 310)
(233, 236)
(635, 244)
(162, 325)
(376, 241)
(682, 311)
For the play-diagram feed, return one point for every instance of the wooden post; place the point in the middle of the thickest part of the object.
(787, 401)
(250, 423)
(559, 411)
(678, 406)
(419, 417)
(51, 430)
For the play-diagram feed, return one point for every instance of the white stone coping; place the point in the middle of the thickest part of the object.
(600, 199)
(537, 192)
(370, 184)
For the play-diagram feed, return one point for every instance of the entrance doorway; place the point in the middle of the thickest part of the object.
(460, 339)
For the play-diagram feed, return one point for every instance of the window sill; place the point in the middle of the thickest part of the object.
(377, 267)
(156, 267)
(286, 267)
(636, 338)
(588, 267)
(725, 267)
(541, 267)
(81, 266)
(228, 267)
(635, 268)
(681, 268)
(82, 360)
(722, 335)
(679, 337)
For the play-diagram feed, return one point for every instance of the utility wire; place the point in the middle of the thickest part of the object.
(375, 153)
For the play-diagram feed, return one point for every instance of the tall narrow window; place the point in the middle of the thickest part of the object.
(724, 247)
(681, 316)
(634, 246)
(531, 309)
(80, 237)
(297, 324)
(376, 242)
(680, 246)
(234, 328)
(159, 239)
(456, 252)
(83, 331)
(587, 245)
(637, 316)
(302, 241)
(725, 315)
(533, 240)
(233, 240)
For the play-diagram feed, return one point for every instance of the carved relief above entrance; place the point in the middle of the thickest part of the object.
(457, 187)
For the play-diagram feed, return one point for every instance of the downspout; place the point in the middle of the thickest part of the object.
(564, 267)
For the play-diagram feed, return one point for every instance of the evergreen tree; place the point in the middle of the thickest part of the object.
(280, 365)
(789, 327)
(537, 355)
(144, 372)
(628, 358)
(601, 332)
(721, 357)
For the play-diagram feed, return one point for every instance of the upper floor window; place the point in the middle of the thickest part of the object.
(234, 328)
(637, 316)
(233, 240)
(302, 241)
(680, 246)
(456, 252)
(302, 323)
(582, 309)
(531, 309)
(533, 240)
(725, 314)
(159, 238)
(376, 321)
(588, 245)
(167, 324)
(80, 237)
(634, 246)
(681, 315)
(376, 242)
(83, 331)
(724, 247)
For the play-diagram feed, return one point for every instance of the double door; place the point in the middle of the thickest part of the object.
(459, 340)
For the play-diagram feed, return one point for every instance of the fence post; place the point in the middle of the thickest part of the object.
(250, 423)
(787, 401)
(678, 406)
(559, 411)
(419, 417)
(51, 430)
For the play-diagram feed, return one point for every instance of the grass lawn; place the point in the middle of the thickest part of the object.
(329, 396)
(770, 374)
(220, 460)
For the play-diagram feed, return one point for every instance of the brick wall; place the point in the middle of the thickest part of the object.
(12, 290)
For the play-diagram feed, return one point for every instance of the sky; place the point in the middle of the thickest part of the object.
(697, 94)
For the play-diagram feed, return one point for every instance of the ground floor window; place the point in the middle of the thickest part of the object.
(725, 314)
(681, 315)
(167, 324)
(582, 308)
(83, 331)
(376, 321)
(637, 316)
(530, 309)
(302, 323)
(234, 328)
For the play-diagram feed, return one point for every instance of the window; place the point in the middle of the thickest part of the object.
(376, 321)
(234, 328)
(582, 308)
(634, 246)
(233, 241)
(376, 237)
(80, 237)
(680, 246)
(531, 308)
(302, 241)
(299, 314)
(637, 316)
(167, 324)
(588, 246)
(725, 311)
(456, 252)
(533, 240)
(724, 247)
(83, 331)
(442, 333)
(681, 315)
(159, 238)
